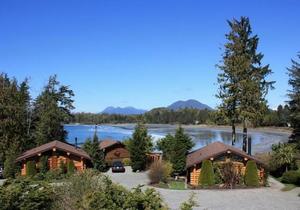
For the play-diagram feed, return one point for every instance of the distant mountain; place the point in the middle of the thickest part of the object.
(192, 104)
(123, 110)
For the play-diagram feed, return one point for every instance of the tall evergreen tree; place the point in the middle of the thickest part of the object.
(294, 102)
(14, 107)
(175, 148)
(92, 147)
(242, 80)
(52, 109)
(181, 146)
(139, 145)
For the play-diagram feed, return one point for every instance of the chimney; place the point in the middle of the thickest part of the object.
(76, 146)
(249, 145)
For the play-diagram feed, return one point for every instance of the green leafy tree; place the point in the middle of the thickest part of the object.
(251, 176)
(283, 155)
(294, 102)
(139, 145)
(242, 80)
(52, 109)
(207, 174)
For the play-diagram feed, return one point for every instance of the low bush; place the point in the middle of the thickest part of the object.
(9, 166)
(230, 176)
(207, 174)
(70, 167)
(190, 203)
(26, 195)
(30, 168)
(159, 171)
(43, 165)
(55, 174)
(62, 166)
(251, 176)
(217, 171)
(93, 190)
(127, 162)
(291, 177)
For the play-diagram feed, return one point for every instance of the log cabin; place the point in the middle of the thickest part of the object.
(219, 152)
(57, 152)
(114, 150)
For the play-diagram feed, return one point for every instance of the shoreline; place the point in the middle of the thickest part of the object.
(260, 147)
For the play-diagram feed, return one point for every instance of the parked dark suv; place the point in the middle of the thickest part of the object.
(117, 166)
(1, 172)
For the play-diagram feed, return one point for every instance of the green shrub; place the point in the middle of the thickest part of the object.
(43, 164)
(26, 195)
(217, 171)
(144, 199)
(93, 190)
(62, 166)
(30, 168)
(54, 174)
(159, 171)
(207, 174)
(251, 176)
(127, 162)
(190, 203)
(230, 176)
(291, 177)
(9, 166)
(70, 167)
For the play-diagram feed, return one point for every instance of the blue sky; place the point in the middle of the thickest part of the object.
(141, 53)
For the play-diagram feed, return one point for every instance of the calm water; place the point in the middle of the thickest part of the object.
(261, 141)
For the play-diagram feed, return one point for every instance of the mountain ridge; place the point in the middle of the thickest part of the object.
(177, 105)
(191, 103)
(128, 110)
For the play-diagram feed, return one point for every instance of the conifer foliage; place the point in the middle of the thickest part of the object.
(251, 176)
(242, 80)
(139, 145)
(92, 147)
(52, 109)
(294, 102)
(175, 149)
(207, 177)
(14, 111)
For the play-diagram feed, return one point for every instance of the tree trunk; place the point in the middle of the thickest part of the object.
(245, 136)
(233, 133)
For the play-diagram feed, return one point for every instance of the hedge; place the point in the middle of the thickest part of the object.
(30, 168)
(70, 167)
(251, 176)
(291, 177)
(207, 177)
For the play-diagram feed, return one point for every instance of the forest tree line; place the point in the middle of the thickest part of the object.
(277, 118)
(26, 122)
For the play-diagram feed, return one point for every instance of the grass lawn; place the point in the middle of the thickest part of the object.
(177, 185)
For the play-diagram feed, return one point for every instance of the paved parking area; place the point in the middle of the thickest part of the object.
(269, 198)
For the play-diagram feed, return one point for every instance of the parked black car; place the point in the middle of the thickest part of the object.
(117, 167)
(1, 172)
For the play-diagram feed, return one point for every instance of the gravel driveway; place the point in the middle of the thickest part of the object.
(268, 198)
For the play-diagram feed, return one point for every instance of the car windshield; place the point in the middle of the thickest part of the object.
(117, 164)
